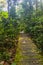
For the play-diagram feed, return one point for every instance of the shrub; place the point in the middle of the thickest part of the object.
(8, 34)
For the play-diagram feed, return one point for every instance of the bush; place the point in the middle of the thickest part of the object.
(8, 34)
(35, 29)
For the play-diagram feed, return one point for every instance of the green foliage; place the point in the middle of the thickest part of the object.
(30, 20)
(35, 29)
(8, 34)
(3, 14)
(13, 63)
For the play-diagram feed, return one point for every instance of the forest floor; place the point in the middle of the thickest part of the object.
(27, 52)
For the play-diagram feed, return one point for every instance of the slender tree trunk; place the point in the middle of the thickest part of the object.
(31, 8)
(36, 7)
(41, 5)
(8, 7)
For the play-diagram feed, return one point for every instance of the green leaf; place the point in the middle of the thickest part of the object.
(14, 63)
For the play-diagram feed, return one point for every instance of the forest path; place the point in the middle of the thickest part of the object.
(27, 53)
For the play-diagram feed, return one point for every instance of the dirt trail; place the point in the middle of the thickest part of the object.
(29, 55)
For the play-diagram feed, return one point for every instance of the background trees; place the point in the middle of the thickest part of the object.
(31, 17)
(26, 16)
(11, 8)
(3, 5)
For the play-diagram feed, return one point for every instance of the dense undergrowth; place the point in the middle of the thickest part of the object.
(8, 37)
(35, 29)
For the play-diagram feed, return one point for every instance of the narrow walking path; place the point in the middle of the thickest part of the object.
(27, 53)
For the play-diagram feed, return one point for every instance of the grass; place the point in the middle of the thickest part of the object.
(18, 55)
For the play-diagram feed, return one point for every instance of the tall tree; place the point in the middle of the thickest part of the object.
(11, 8)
